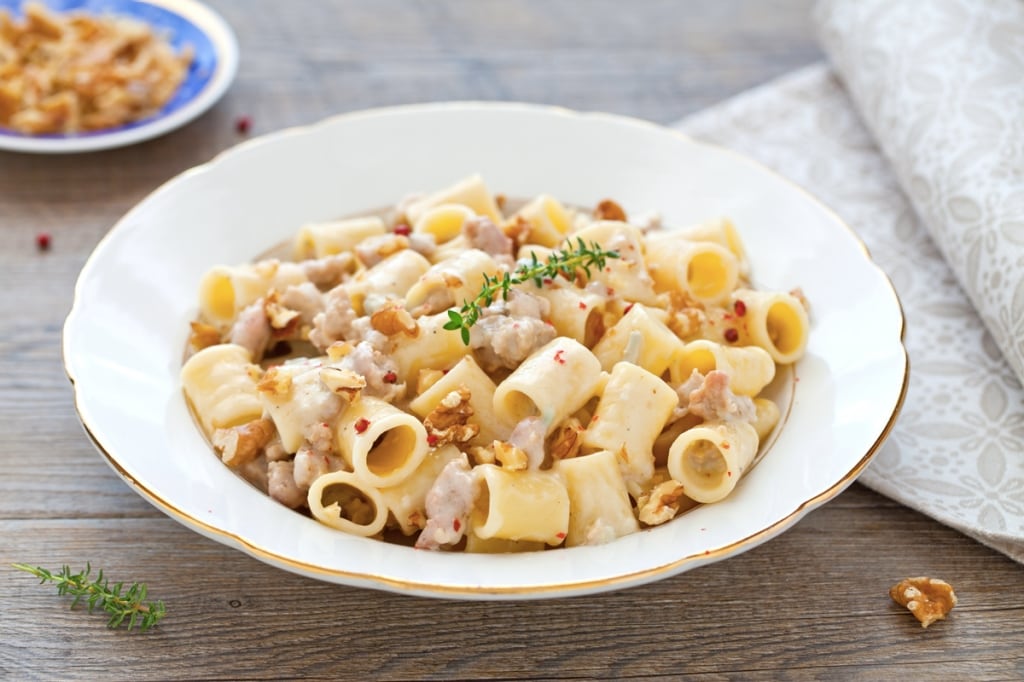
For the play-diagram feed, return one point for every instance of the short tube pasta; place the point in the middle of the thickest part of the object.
(443, 222)
(302, 404)
(381, 443)
(389, 279)
(750, 368)
(548, 220)
(466, 373)
(219, 384)
(633, 409)
(767, 417)
(774, 321)
(346, 502)
(720, 231)
(433, 346)
(575, 313)
(709, 459)
(554, 382)
(470, 192)
(406, 500)
(450, 282)
(225, 290)
(316, 240)
(520, 505)
(706, 271)
(640, 337)
(599, 506)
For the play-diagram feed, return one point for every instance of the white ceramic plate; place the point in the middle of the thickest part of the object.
(184, 22)
(125, 335)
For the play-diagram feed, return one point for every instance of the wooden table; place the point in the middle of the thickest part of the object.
(812, 603)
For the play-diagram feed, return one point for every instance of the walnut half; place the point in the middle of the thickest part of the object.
(929, 599)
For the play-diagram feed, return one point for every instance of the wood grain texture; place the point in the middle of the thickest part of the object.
(811, 604)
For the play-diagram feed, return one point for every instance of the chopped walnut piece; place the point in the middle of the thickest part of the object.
(241, 444)
(929, 599)
(392, 318)
(518, 230)
(661, 503)
(279, 316)
(566, 440)
(275, 383)
(343, 382)
(509, 456)
(686, 317)
(203, 336)
(449, 421)
(609, 210)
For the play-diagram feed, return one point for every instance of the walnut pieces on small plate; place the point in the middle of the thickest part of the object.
(83, 75)
(929, 599)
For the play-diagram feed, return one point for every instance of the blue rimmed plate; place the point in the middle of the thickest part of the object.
(184, 22)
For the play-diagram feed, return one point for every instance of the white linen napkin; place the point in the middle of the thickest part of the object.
(957, 451)
(941, 87)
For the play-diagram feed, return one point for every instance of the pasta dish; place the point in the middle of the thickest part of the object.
(463, 374)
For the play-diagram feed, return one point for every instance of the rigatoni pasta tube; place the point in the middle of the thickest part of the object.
(766, 417)
(470, 192)
(407, 501)
(774, 321)
(599, 507)
(626, 276)
(346, 502)
(443, 222)
(306, 402)
(555, 381)
(709, 459)
(549, 221)
(481, 398)
(633, 409)
(576, 313)
(520, 505)
(224, 290)
(390, 278)
(640, 337)
(451, 281)
(720, 231)
(706, 271)
(218, 383)
(750, 368)
(433, 346)
(316, 240)
(381, 443)
(478, 545)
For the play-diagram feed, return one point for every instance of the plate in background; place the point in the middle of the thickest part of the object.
(184, 22)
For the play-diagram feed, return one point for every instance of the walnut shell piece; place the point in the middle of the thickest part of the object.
(929, 599)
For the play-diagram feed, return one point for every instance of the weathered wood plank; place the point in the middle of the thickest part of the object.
(803, 603)
(811, 604)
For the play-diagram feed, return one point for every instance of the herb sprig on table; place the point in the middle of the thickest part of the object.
(566, 263)
(98, 593)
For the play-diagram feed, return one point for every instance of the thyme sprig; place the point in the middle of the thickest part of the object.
(98, 593)
(566, 263)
